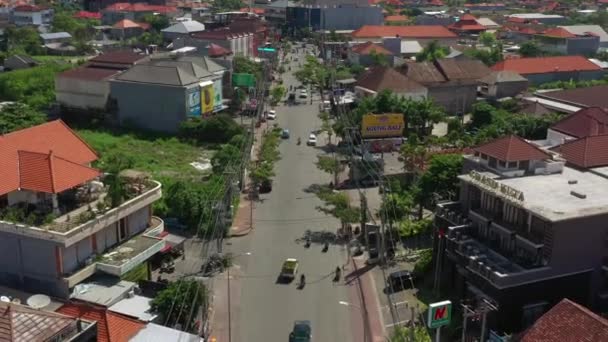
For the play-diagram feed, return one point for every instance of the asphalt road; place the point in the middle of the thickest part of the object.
(266, 310)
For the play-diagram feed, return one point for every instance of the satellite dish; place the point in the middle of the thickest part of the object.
(38, 301)
(5, 299)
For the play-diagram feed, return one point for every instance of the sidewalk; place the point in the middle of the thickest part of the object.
(242, 223)
(367, 321)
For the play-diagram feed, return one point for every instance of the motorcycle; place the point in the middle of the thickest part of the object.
(307, 243)
(299, 141)
(302, 280)
(325, 247)
(338, 273)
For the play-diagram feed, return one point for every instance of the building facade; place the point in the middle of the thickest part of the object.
(160, 94)
(81, 233)
(25, 15)
(514, 237)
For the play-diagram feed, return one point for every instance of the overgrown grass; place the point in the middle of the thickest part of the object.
(67, 59)
(163, 157)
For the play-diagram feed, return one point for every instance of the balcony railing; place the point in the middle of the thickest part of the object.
(124, 257)
(77, 232)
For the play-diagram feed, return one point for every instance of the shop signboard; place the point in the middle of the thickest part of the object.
(193, 100)
(207, 97)
(440, 314)
(382, 125)
(217, 93)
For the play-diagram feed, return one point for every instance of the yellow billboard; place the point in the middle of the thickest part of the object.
(382, 125)
(207, 98)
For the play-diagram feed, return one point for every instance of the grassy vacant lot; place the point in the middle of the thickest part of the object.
(164, 157)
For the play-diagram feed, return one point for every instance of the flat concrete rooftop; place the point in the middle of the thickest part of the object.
(550, 196)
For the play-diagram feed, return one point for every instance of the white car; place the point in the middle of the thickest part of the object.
(303, 94)
(272, 115)
(312, 140)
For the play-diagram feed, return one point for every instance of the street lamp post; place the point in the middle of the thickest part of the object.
(363, 313)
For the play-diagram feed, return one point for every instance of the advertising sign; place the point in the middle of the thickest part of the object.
(243, 80)
(440, 314)
(217, 92)
(193, 101)
(382, 125)
(207, 98)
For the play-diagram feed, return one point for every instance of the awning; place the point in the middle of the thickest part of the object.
(347, 81)
(205, 83)
(172, 241)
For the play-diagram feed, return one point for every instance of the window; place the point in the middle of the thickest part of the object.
(484, 157)
(502, 164)
(532, 312)
(512, 165)
(492, 162)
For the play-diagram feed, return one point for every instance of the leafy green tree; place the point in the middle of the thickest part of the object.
(421, 115)
(530, 49)
(216, 129)
(192, 202)
(225, 157)
(114, 164)
(330, 165)
(487, 57)
(396, 207)
(378, 58)
(402, 334)
(440, 180)
(226, 5)
(180, 302)
(432, 52)
(244, 65)
(23, 40)
(276, 94)
(337, 204)
(326, 125)
(158, 22)
(482, 115)
(487, 38)
(16, 116)
(424, 263)
(33, 86)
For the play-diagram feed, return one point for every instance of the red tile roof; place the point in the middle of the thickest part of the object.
(111, 327)
(558, 32)
(568, 322)
(87, 15)
(140, 7)
(541, 65)
(396, 18)
(584, 123)
(586, 152)
(48, 158)
(369, 47)
(217, 51)
(511, 148)
(415, 31)
(23, 323)
(126, 24)
(28, 8)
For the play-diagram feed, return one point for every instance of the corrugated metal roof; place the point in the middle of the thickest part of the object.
(55, 35)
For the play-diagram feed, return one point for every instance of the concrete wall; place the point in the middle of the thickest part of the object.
(350, 17)
(573, 251)
(77, 93)
(507, 89)
(454, 99)
(22, 196)
(149, 106)
(536, 79)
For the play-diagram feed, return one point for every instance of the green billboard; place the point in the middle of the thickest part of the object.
(243, 80)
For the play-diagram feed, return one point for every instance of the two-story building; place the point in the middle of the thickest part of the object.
(528, 230)
(58, 225)
(25, 15)
(160, 94)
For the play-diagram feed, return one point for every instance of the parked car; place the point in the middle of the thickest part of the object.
(303, 94)
(272, 114)
(400, 280)
(285, 134)
(312, 140)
